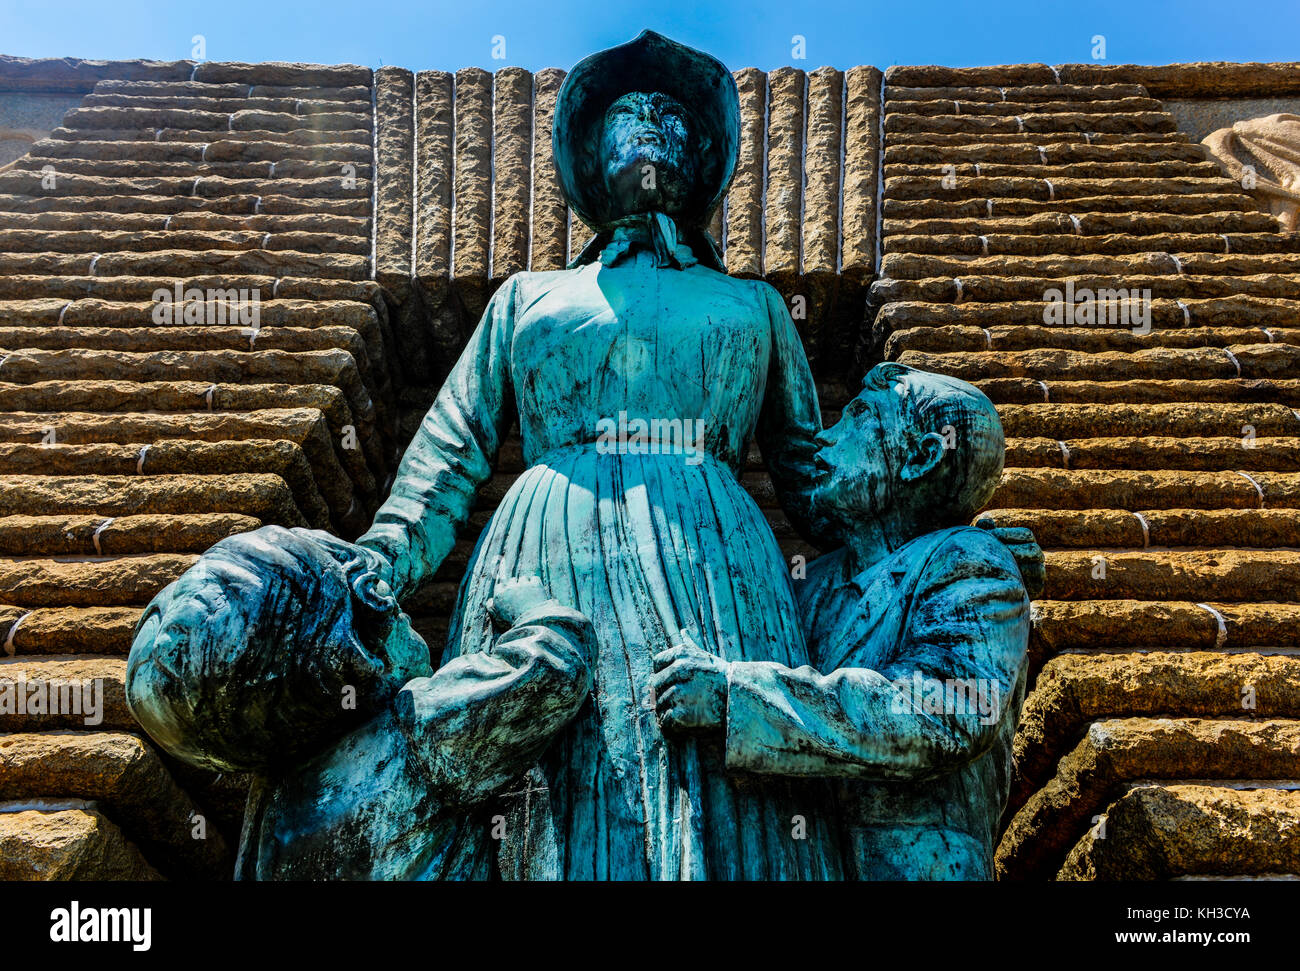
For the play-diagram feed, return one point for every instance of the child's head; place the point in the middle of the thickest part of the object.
(264, 650)
(913, 447)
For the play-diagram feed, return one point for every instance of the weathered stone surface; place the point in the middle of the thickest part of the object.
(122, 772)
(512, 175)
(745, 198)
(550, 211)
(1215, 79)
(1158, 452)
(395, 144)
(266, 497)
(128, 580)
(1139, 490)
(76, 74)
(72, 693)
(1116, 751)
(1073, 690)
(861, 170)
(68, 630)
(282, 73)
(783, 195)
(1192, 831)
(1119, 529)
(471, 262)
(106, 536)
(434, 111)
(67, 844)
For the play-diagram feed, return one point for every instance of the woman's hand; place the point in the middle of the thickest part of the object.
(690, 688)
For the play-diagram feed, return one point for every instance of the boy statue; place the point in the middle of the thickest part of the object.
(921, 625)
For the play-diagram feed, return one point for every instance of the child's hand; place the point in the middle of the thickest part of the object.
(690, 687)
(513, 598)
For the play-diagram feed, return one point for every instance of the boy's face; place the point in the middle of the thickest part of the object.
(875, 448)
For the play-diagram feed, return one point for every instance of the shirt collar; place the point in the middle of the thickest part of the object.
(653, 232)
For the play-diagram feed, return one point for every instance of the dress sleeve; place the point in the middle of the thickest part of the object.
(451, 455)
(966, 637)
(790, 417)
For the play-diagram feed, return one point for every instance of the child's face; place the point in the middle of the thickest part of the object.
(860, 466)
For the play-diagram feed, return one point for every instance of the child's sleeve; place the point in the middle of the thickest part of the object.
(485, 717)
(966, 639)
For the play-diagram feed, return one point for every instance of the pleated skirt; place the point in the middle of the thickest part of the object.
(648, 546)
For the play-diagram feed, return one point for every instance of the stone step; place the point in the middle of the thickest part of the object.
(1142, 490)
(291, 169)
(1193, 832)
(228, 150)
(950, 150)
(213, 101)
(1098, 629)
(1037, 168)
(93, 312)
(1084, 340)
(996, 289)
(39, 631)
(125, 580)
(1005, 208)
(304, 136)
(105, 536)
(1195, 575)
(125, 774)
(995, 93)
(172, 441)
(915, 266)
(1084, 224)
(179, 240)
(1072, 123)
(1154, 363)
(171, 397)
(1048, 244)
(233, 89)
(282, 72)
(337, 368)
(1242, 453)
(103, 709)
(957, 106)
(22, 182)
(1058, 187)
(230, 205)
(1233, 311)
(66, 842)
(111, 119)
(316, 493)
(133, 289)
(1122, 529)
(1114, 752)
(1182, 419)
(175, 264)
(262, 496)
(1026, 391)
(1073, 690)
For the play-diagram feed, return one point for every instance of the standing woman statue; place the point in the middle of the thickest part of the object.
(652, 538)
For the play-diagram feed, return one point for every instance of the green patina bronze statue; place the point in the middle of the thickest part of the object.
(538, 748)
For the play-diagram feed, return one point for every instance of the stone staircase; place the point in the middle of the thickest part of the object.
(129, 444)
(1157, 461)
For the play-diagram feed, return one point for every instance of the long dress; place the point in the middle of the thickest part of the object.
(648, 540)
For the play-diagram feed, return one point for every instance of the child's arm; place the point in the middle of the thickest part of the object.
(485, 717)
(969, 625)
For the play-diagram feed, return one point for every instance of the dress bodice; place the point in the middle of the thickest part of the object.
(635, 342)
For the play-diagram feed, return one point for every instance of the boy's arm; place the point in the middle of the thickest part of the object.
(483, 718)
(969, 626)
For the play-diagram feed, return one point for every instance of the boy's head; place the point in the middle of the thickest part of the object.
(916, 448)
(264, 650)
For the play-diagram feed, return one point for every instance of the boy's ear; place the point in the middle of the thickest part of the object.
(926, 453)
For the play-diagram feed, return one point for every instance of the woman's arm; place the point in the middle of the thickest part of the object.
(450, 456)
(790, 418)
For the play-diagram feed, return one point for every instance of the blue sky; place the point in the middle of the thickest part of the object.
(743, 33)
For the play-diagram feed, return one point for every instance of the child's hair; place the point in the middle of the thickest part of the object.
(259, 680)
(971, 470)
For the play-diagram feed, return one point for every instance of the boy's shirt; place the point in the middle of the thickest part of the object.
(395, 798)
(925, 654)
